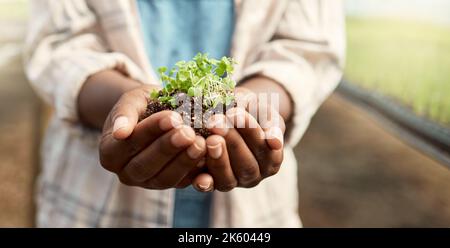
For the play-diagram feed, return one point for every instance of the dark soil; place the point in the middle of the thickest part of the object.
(191, 120)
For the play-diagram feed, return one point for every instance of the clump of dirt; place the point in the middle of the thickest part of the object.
(198, 123)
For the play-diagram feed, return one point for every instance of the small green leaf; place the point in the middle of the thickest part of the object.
(191, 92)
(154, 94)
(164, 98)
(168, 88)
(165, 78)
(194, 91)
(183, 75)
(202, 76)
(173, 102)
(220, 70)
(162, 69)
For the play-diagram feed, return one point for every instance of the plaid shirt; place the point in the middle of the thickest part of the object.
(298, 43)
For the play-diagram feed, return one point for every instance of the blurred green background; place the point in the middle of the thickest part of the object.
(407, 60)
(401, 48)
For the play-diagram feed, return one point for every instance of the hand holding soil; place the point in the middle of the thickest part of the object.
(156, 153)
(244, 150)
(157, 140)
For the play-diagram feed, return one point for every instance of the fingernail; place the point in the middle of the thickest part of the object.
(215, 151)
(185, 134)
(204, 187)
(194, 151)
(275, 133)
(170, 122)
(120, 123)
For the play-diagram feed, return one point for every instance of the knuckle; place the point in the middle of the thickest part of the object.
(103, 148)
(272, 170)
(107, 160)
(116, 109)
(248, 173)
(104, 162)
(252, 183)
(273, 165)
(124, 103)
(227, 186)
(275, 169)
(231, 145)
(277, 160)
(261, 156)
(124, 180)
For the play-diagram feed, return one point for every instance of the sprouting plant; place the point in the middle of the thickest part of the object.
(201, 77)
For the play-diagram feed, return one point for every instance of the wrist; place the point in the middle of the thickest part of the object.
(99, 94)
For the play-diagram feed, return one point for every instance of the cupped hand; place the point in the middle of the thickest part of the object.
(246, 147)
(158, 152)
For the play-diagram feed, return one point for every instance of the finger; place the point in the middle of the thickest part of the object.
(125, 114)
(114, 154)
(203, 182)
(249, 129)
(244, 165)
(274, 138)
(268, 117)
(189, 178)
(177, 169)
(273, 125)
(218, 164)
(152, 159)
(269, 160)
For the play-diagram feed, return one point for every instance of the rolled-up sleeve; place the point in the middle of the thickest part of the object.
(63, 48)
(306, 56)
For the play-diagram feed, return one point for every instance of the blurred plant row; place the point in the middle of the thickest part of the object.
(406, 60)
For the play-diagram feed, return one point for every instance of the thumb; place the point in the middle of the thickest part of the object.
(125, 115)
(274, 127)
(123, 127)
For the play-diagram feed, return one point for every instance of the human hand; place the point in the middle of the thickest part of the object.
(244, 149)
(156, 153)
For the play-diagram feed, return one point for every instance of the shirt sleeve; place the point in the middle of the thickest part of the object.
(306, 56)
(63, 48)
